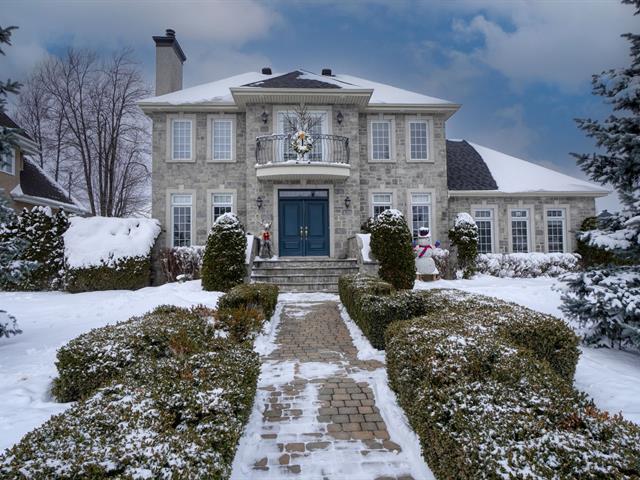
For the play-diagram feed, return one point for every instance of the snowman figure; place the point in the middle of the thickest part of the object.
(425, 266)
(265, 241)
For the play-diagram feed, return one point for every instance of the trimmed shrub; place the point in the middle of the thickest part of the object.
(527, 265)
(352, 287)
(181, 263)
(484, 405)
(179, 416)
(391, 244)
(241, 323)
(368, 225)
(464, 236)
(259, 296)
(223, 264)
(123, 274)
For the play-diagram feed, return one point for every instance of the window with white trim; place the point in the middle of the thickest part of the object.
(520, 230)
(8, 163)
(181, 214)
(320, 128)
(222, 139)
(380, 140)
(556, 222)
(484, 221)
(181, 147)
(221, 203)
(419, 140)
(420, 212)
(381, 202)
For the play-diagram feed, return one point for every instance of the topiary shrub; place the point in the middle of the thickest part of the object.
(464, 236)
(260, 296)
(129, 273)
(223, 264)
(391, 244)
(485, 403)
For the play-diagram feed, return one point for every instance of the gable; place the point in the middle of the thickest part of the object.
(465, 168)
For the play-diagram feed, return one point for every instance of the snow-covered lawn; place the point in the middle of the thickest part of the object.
(51, 319)
(610, 377)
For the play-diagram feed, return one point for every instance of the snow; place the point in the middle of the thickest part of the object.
(249, 249)
(610, 377)
(366, 351)
(48, 321)
(94, 240)
(464, 218)
(514, 175)
(365, 249)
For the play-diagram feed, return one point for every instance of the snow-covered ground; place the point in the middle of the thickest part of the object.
(51, 319)
(610, 377)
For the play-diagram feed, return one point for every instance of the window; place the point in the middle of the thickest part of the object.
(556, 220)
(381, 140)
(181, 139)
(484, 221)
(8, 163)
(520, 230)
(181, 205)
(221, 203)
(381, 202)
(287, 152)
(222, 137)
(420, 212)
(418, 140)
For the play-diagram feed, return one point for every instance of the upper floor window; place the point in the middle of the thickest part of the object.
(181, 219)
(520, 230)
(420, 212)
(181, 139)
(419, 140)
(8, 163)
(286, 119)
(221, 203)
(556, 221)
(381, 202)
(484, 221)
(222, 138)
(380, 140)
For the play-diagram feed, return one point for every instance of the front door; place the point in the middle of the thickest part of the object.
(303, 218)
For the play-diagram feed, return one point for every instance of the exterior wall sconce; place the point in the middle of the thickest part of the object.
(264, 117)
(339, 117)
(347, 201)
(259, 202)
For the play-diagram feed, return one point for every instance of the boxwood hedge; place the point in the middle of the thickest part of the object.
(261, 296)
(126, 274)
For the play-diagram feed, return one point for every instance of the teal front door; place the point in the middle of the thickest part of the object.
(303, 219)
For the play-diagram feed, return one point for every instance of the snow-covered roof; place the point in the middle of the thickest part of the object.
(219, 91)
(516, 176)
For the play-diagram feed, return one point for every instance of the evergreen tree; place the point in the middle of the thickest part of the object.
(464, 236)
(223, 264)
(391, 245)
(13, 269)
(7, 135)
(606, 298)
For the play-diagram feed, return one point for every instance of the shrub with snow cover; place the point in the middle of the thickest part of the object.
(527, 265)
(489, 397)
(8, 325)
(105, 253)
(181, 263)
(13, 269)
(464, 236)
(223, 265)
(391, 245)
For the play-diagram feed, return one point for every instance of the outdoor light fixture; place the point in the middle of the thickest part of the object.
(340, 117)
(347, 201)
(264, 116)
(259, 202)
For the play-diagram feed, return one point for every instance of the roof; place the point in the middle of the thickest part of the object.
(219, 91)
(7, 121)
(478, 168)
(35, 183)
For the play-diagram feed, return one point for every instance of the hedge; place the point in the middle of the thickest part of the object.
(261, 296)
(125, 274)
(527, 265)
(484, 406)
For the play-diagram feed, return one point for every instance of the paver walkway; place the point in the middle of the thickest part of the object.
(315, 418)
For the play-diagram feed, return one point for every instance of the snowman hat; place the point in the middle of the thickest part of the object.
(423, 232)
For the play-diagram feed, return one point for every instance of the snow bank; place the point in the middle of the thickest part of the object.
(95, 241)
(365, 246)
(527, 265)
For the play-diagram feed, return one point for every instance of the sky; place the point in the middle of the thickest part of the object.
(520, 69)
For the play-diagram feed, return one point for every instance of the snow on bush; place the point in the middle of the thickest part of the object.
(181, 263)
(527, 265)
(223, 265)
(391, 244)
(464, 236)
(8, 324)
(490, 397)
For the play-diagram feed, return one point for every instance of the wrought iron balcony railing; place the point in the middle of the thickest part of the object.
(326, 149)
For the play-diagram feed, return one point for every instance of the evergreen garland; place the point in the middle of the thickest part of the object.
(391, 244)
(223, 264)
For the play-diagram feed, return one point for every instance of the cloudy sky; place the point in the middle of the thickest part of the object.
(521, 69)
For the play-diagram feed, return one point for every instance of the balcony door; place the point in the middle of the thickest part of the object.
(287, 153)
(303, 219)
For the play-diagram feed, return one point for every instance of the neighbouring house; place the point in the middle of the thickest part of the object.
(25, 183)
(224, 146)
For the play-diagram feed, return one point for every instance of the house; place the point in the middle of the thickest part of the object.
(224, 146)
(25, 183)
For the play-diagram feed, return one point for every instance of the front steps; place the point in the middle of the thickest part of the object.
(303, 274)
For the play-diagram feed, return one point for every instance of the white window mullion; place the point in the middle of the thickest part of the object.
(420, 212)
(484, 221)
(520, 234)
(221, 203)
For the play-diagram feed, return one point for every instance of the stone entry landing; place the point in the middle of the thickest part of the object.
(315, 417)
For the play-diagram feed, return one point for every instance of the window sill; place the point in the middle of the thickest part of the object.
(170, 160)
(210, 160)
(381, 161)
(420, 161)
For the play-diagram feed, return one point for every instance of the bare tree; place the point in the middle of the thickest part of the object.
(83, 110)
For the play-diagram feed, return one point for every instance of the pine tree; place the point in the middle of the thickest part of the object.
(464, 236)
(606, 298)
(13, 269)
(223, 264)
(7, 135)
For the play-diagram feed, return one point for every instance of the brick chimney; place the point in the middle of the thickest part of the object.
(169, 60)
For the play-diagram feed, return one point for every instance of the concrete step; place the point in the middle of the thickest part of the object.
(296, 278)
(294, 262)
(303, 274)
(308, 287)
(307, 271)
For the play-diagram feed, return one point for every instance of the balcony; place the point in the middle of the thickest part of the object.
(328, 159)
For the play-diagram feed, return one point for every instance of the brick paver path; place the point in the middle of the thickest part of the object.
(317, 419)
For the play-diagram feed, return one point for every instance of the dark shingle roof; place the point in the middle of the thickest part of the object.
(34, 182)
(465, 168)
(7, 121)
(292, 80)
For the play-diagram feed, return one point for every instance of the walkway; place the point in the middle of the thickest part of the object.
(316, 415)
